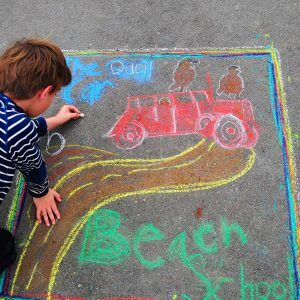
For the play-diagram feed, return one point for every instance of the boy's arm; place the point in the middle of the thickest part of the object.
(66, 113)
(43, 197)
(40, 125)
(26, 154)
(27, 157)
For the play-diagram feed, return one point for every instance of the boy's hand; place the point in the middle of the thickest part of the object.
(65, 114)
(46, 207)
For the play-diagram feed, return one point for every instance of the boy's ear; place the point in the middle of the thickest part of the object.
(44, 92)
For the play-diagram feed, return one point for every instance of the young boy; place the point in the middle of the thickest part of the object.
(32, 71)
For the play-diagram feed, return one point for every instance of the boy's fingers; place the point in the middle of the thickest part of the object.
(56, 212)
(38, 216)
(51, 216)
(75, 115)
(45, 217)
(74, 109)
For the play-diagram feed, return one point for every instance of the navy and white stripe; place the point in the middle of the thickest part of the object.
(19, 149)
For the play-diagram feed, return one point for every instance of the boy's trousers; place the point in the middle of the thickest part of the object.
(7, 249)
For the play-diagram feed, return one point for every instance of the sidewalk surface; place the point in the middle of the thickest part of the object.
(180, 181)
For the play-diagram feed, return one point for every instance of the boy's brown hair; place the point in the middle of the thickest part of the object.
(30, 65)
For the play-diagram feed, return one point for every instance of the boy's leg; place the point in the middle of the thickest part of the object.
(7, 249)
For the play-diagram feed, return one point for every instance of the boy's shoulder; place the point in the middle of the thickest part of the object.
(15, 124)
(11, 111)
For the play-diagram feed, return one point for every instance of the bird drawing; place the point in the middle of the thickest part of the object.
(231, 84)
(183, 75)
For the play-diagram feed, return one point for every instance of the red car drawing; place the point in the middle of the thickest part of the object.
(229, 122)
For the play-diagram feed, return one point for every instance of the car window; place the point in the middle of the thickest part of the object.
(200, 96)
(185, 98)
(146, 102)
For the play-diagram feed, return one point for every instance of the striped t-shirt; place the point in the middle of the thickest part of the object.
(19, 149)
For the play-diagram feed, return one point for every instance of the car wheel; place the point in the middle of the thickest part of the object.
(229, 132)
(131, 136)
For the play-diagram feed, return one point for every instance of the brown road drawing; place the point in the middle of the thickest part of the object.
(88, 177)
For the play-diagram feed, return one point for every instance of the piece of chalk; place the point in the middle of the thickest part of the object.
(81, 115)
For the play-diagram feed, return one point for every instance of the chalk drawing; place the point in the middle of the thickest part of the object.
(199, 212)
(275, 289)
(110, 247)
(138, 70)
(186, 163)
(230, 123)
(117, 248)
(231, 84)
(91, 92)
(100, 178)
(62, 141)
(183, 75)
(92, 82)
(267, 290)
(148, 233)
(296, 136)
